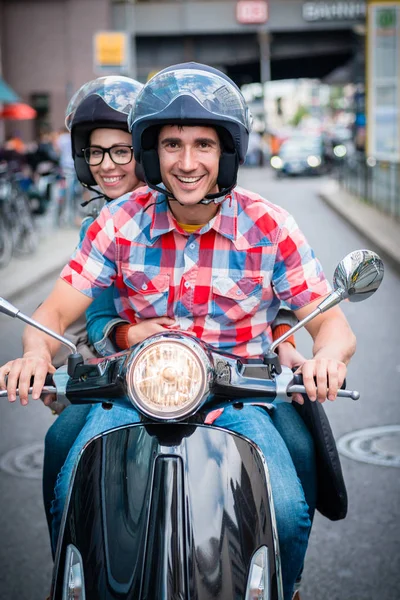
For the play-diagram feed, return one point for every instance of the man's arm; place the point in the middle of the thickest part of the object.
(61, 308)
(334, 345)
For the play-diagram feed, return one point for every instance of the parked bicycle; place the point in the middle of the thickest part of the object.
(18, 234)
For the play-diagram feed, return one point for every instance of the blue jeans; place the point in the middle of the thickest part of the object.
(58, 442)
(256, 423)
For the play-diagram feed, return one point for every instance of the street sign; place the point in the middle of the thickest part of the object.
(252, 12)
(347, 10)
(111, 51)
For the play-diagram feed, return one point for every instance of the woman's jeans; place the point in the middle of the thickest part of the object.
(259, 425)
(58, 442)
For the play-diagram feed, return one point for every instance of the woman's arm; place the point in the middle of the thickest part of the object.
(101, 320)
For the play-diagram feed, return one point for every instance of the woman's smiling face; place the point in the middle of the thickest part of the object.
(114, 180)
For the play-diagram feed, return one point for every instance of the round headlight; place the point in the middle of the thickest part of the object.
(167, 379)
(276, 162)
(340, 150)
(313, 161)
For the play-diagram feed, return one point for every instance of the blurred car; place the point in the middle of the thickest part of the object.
(299, 156)
(254, 156)
(338, 145)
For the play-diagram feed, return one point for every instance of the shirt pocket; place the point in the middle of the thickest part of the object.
(148, 293)
(233, 301)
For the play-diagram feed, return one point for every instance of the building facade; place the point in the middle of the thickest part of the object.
(47, 49)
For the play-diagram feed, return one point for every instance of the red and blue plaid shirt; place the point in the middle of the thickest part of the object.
(224, 283)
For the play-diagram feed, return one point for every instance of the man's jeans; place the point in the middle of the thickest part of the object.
(291, 509)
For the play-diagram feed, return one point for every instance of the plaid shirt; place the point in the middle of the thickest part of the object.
(223, 283)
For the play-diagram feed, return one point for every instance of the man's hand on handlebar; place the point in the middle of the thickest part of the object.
(322, 377)
(18, 373)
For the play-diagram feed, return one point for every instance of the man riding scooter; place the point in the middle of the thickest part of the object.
(232, 258)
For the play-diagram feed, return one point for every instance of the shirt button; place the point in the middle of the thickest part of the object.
(144, 287)
(238, 292)
(187, 284)
(192, 246)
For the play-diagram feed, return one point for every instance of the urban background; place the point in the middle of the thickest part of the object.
(323, 83)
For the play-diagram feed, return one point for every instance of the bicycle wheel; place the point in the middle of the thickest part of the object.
(5, 245)
(25, 235)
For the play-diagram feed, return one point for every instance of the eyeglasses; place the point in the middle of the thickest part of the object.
(120, 155)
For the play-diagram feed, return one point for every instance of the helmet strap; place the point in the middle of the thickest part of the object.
(92, 189)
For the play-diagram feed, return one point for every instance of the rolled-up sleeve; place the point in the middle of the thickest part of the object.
(298, 278)
(92, 267)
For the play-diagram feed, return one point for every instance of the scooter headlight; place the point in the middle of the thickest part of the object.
(167, 379)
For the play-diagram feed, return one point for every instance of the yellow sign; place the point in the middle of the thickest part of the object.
(110, 49)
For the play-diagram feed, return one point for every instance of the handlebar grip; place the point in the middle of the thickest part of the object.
(48, 381)
(298, 380)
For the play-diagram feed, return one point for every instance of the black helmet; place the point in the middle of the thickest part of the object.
(102, 102)
(192, 94)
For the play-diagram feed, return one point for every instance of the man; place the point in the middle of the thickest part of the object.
(213, 260)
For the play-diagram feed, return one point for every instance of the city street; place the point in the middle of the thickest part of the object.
(354, 559)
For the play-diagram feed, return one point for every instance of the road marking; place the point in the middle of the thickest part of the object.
(25, 461)
(376, 445)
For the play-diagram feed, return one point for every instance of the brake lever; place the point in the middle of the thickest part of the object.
(300, 389)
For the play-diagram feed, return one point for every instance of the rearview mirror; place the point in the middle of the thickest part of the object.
(359, 275)
(356, 277)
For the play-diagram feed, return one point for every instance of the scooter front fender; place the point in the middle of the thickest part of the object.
(162, 512)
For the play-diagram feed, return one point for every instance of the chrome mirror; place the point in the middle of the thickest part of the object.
(358, 275)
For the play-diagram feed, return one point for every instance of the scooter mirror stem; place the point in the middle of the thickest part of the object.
(328, 302)
(11, 311)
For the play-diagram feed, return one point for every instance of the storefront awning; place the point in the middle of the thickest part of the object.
(7, 95)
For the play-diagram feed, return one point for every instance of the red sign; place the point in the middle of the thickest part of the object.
(252, 12)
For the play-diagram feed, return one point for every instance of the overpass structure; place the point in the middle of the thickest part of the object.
(296, 39)
(47, 46)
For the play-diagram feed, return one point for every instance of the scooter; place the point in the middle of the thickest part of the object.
(171, 508)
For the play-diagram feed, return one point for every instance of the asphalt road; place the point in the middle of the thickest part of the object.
(354, 559)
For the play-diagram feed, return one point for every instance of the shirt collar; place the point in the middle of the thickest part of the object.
(224, 222)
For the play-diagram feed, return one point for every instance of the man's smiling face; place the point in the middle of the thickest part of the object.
(189, 161)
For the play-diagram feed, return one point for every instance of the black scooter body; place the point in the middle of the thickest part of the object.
(168, 512)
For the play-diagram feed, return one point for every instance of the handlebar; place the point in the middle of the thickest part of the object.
(47, 389)
(297, 387)
(300, 389)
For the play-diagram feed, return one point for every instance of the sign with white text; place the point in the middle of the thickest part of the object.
(349, 10)
(252, 12)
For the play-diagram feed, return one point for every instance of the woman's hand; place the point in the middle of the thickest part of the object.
(141, 331)
(19, 373)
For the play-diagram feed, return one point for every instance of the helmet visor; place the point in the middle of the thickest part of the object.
(118, 92)
(215, 94)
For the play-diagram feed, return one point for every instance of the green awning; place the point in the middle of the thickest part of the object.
(7, 95)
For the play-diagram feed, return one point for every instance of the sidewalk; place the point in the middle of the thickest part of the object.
(382, 230)
(52, 254)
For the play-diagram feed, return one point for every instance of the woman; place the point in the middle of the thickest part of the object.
(102, 153)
